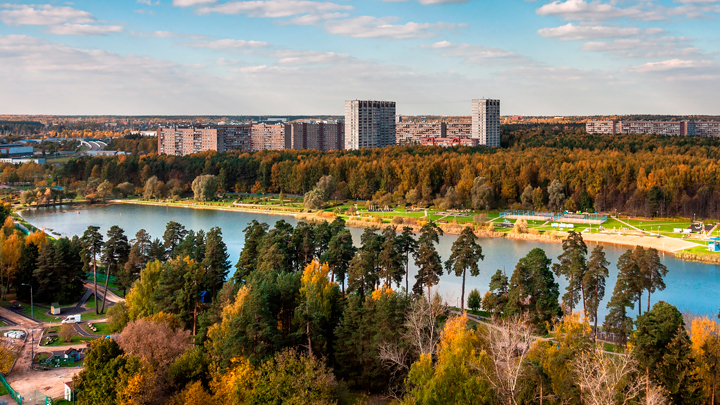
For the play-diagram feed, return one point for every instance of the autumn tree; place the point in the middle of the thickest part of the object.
(465, 255)
(556, 195)
(204, 187)
(319, 307)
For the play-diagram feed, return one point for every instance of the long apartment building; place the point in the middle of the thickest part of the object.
(486, 122)
(412, 133)
(670, 128)
(369, 124)
(186, 140)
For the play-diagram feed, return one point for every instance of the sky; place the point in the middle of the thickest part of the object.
(297, 57)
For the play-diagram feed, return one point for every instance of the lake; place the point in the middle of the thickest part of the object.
(691, 286)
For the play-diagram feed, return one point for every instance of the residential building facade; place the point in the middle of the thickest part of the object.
(324, 136)
(486, 122)
(670, 128)
(448, 142)
(369, 124)
(458, 129)
(411, 133)
(186, 140)
(270, 137)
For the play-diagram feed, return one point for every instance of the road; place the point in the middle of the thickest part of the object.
(111, 296)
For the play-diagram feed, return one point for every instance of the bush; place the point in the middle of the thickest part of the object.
(397, 220)
(66, 332)
(474, 300)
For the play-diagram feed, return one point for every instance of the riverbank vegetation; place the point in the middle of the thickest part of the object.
(309, 318)
(541, 167)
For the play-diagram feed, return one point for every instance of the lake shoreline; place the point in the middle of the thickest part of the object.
(455, 229)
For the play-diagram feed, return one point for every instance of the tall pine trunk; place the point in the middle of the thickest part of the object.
(107, 279)
(95, 281)
(640, 303)
(462, 294)
(407, 272)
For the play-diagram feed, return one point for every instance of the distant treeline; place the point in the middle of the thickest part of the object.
(21, 127)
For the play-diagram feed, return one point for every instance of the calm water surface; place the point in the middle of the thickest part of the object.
(690, 286)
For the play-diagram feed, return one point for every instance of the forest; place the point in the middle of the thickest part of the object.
(306, 317)
(638, 175)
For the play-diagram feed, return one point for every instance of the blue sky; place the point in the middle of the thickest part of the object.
(230, 57)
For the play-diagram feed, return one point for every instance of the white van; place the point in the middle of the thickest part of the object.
(72, 319)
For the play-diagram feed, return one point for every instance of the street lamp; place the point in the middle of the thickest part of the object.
(32, 314)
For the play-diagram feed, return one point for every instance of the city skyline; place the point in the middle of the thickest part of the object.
(291, 57)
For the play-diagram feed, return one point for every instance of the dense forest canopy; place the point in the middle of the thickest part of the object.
(637, 174)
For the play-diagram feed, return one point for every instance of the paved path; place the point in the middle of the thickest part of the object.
(84, 333)
(17, 318)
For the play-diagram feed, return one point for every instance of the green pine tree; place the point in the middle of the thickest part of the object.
(465, 255)
(427, 259)
(573, 267)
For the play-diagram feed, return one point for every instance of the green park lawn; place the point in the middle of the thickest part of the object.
(102, 329)
(75, 340)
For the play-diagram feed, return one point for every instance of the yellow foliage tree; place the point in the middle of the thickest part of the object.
(705, 337)
(219, 332)
(235, 385)
(454, 378)
(139, 300)
(10, 253)
(39, 238)
(194, 393)
(136, 382)
(553, 358)
(318, 296)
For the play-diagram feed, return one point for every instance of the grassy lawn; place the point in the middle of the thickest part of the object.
(89, 316)
(608, 347)
(90, 304)
(102, 329)
(40, 313)
(3, 391)
(75, 340)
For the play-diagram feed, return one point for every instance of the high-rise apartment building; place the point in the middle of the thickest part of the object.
(459, 129)
(324, 136)
(369, 124)
(486, 122)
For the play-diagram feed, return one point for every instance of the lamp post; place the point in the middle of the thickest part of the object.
(32, 314)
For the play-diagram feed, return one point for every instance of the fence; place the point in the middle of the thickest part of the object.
(14, 394)
(592, 219)
(101, 278)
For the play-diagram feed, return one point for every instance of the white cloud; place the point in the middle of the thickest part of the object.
(374, 27)
(190, 3)
(660, 47)
(273, 8)
(479, 54)
(671, 64)
(594, 11)
(149, 2)
(426, 2)
(45, 14)
(227, 44)
(570, 32)
(299, 58)
(84, 29)
(167, 34)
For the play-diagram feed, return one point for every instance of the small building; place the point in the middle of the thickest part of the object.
(69, 391)
(714, 245)
(55, 308)
(70, 353)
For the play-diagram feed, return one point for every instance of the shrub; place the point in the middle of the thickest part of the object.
(397, 220)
